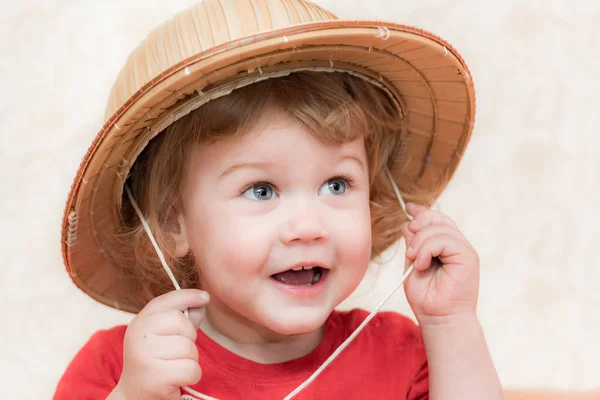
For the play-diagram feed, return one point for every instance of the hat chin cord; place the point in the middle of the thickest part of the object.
(337, 351)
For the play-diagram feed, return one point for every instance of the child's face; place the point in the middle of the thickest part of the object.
(274, 199)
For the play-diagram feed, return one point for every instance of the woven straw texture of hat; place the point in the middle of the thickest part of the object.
(217, 46)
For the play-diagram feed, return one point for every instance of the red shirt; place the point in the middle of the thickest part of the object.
(385, 361)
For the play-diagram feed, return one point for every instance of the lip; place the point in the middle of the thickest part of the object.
(304, 292)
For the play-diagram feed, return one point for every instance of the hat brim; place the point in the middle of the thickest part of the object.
(424, 74)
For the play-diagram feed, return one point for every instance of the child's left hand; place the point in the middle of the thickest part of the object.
(445, 282)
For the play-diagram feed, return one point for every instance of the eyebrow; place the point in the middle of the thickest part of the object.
(267, 164)
(354, 158)
(255, 165)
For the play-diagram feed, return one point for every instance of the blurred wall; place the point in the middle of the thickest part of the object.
(527, 193)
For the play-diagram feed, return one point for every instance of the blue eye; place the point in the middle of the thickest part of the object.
(259, 192)
(336, 186)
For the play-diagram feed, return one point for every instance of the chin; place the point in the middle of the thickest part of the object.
(297, 322)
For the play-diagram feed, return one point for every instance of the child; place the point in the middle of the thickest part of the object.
(251, 158)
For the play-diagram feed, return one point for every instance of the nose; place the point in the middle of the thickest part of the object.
(303, 223)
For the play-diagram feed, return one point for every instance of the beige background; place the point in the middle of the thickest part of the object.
(527, 193)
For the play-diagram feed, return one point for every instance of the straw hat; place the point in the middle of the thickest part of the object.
(219, 45)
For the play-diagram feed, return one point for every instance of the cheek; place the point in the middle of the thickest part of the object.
(232, 245)
(354, 238)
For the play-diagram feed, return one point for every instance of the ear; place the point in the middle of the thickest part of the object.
(180, 237)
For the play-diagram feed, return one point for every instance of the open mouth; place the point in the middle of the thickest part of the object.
(300, 276)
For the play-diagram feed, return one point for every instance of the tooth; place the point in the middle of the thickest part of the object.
(297, 269)
(308, 267)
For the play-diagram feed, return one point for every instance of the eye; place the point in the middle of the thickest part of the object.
(260, 192)
(336, 186)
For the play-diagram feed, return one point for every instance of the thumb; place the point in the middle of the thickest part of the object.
(196, 315)
(407, 235)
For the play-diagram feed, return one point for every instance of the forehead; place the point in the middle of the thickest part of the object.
(276, 137)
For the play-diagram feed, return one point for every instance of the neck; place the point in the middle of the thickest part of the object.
(255, 342)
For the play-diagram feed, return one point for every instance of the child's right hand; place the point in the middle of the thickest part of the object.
(159, 351)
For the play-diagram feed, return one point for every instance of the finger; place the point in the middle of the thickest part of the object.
(428, 232)
(430, 217)
(197, 315)
(181, 372)
(173, 348)
(177, 300)
(414, 209)
(444, 247)
(168, 323)
(407, 263)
